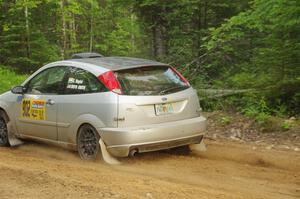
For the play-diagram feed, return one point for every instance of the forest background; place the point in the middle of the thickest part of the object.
(240, 45)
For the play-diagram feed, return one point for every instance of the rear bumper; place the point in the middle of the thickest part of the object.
(153, 137)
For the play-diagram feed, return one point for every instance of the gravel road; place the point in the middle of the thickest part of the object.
(226, 170)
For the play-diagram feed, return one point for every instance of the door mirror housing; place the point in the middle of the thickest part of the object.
(18, 90)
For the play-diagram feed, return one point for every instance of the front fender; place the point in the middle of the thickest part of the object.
(4, 107)
(11, 128)
(7, 101)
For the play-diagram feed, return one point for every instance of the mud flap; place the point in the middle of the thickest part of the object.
(198, 147)
(13, 141)
(107, 157)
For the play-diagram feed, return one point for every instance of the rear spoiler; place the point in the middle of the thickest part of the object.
(86, 55)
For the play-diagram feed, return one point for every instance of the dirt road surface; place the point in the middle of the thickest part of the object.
(225, 170)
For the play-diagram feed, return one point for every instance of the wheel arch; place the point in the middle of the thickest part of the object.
(89, 119)
(86, 123)
(2, 110)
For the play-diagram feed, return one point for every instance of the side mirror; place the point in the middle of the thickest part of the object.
(18, 90)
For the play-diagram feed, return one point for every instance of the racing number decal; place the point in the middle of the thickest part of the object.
(26, 108)
(34, 109)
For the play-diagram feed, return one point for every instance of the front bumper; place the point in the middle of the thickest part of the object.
(120, 141)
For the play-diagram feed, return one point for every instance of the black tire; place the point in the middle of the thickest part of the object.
(3, 130)
(88, 142)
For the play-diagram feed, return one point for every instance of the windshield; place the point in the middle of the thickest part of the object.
(153, 80)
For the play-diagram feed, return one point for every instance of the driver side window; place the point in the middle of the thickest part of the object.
(49, 81)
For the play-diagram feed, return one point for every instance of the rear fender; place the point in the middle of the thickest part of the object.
(84, 119)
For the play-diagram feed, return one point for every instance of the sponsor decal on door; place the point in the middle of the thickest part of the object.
(33, 109)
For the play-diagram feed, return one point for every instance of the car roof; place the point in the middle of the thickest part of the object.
(118, 63)
(100, 65)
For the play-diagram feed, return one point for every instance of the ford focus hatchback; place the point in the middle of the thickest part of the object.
(132, 105)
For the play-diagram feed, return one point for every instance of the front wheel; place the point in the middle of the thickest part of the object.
(87, 142)
(3, 131)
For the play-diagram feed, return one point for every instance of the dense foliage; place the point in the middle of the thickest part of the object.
(236, 44)
(260, 48)
(9, 79)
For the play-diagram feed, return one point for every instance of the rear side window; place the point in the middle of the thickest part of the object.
(81, 81)
(153, 80)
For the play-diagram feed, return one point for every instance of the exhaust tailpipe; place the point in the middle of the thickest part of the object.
(133, 152)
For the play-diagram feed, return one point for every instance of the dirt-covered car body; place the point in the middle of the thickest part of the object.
(134, 104)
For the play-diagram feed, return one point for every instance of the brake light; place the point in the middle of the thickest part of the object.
(181, 76)
(110, 81)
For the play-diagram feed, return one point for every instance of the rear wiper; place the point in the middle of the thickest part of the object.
(171, 89)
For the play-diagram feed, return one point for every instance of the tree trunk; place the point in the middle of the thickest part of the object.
(205, 14)
(27, 32)
(92, 26)
(159, 43)
(132, 37)
(199, 28)
(63, 31)
(73, 40)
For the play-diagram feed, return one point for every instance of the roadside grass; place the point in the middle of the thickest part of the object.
(9, 79)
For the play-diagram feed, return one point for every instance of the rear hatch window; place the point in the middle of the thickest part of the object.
(151, 80)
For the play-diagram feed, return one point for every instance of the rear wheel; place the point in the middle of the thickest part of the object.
(87, 142)
(3, 130)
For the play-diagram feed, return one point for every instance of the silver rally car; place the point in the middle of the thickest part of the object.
(132, 105)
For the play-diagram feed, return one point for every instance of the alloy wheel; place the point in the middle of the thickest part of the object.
(3, 133)
(87, 141)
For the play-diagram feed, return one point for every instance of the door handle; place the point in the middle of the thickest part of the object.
(50, 102)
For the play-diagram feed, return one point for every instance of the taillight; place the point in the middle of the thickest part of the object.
(181, 77)
(110, 81)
